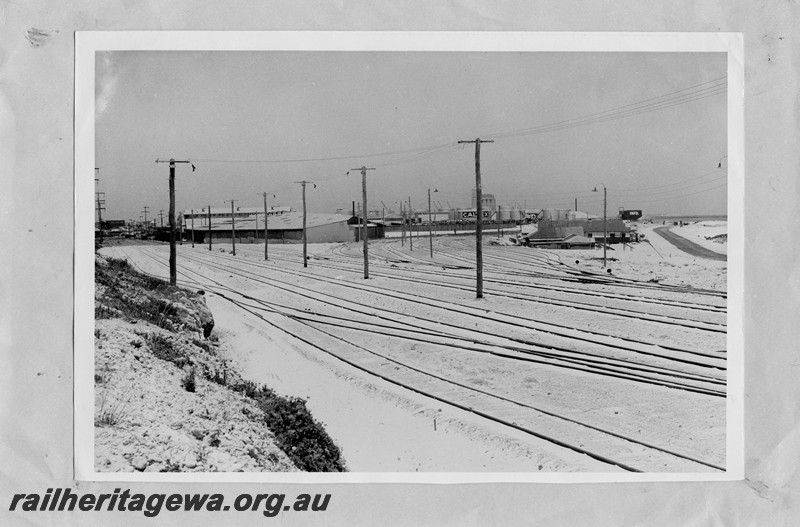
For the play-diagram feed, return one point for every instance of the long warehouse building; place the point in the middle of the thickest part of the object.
(285, 227)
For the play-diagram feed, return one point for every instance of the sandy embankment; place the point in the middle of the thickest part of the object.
(148, 416)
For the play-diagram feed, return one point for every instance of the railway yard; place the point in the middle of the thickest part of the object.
(561, 367)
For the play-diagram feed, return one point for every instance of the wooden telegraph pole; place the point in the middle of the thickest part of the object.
(209, 227)
(605, 228)
(233, 225)
(192, 228)
(305, 244)
(410, 226)
(402, 224)
(266, 222)
(256, 225)
(430, 220)
(364, 233)
(173, 269)
(479, 219)
(100, 202)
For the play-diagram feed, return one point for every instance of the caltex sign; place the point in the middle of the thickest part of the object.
(467, 214)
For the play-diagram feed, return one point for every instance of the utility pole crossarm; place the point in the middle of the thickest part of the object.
(173, 161)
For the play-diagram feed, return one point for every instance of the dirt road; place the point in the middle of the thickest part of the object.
(687, 246)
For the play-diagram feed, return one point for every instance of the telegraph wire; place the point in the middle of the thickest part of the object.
(421, 156)
(648, 198)
(659, 102)
(584, 121)
(556, 196)
(637, 104)
(335, 158)
(667, 191)
(682, 195)
(693, 178)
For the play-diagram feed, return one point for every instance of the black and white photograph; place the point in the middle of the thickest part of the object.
(410, 261)
(399, 263)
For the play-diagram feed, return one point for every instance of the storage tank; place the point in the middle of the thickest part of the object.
(556, 214)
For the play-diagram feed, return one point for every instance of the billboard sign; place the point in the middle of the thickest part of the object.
(471, 214)
(630, 214)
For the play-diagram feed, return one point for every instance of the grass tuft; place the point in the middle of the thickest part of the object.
(110, 415)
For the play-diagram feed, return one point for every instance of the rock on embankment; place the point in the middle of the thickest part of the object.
(161, 401)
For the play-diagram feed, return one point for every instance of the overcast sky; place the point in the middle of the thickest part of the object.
(650, 126)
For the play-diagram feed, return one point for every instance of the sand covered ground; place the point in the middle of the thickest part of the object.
(312, 332)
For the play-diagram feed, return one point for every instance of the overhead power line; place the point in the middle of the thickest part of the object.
(681, 195)
(557, 197)
(555, 203)
(421, 156)
(651, 104)
(333, 158)
(692, 93)
(679, 182)
(673, 190)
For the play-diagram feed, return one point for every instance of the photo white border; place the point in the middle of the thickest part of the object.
(87, 43)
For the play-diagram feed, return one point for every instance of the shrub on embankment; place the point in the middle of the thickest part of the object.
(122, 292)
(298, 434)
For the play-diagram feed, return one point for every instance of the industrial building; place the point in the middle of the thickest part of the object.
(487, 201)
(202, 215)
(615, 229)
(492, 212)
(563, 228)
(570, 241)
(286, 227)
(561, 215)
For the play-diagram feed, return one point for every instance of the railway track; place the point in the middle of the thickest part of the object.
(610, 447)
(483, 337)
(529, 322)
(599, 304)
(713, 321)
(512, 279)
(358, 283)
(550, 266)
